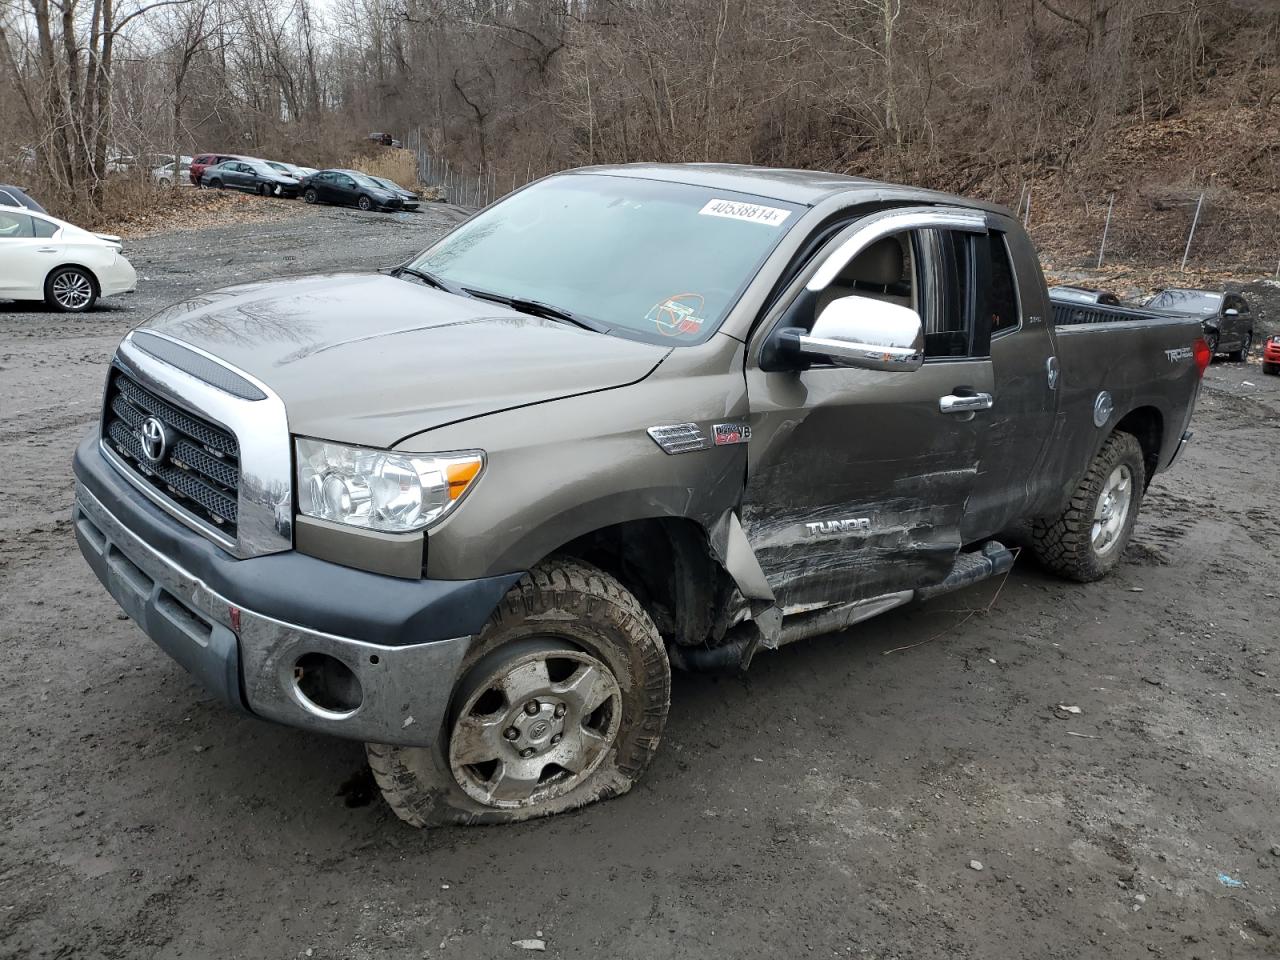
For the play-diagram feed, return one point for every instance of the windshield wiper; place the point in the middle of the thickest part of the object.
(538, 309)
(430, 279)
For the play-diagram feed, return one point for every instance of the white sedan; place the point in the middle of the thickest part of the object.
(43, 258)
(164, 176)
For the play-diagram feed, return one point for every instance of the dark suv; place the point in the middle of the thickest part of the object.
(1228, 325)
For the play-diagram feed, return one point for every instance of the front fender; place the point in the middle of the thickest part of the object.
(558, 470)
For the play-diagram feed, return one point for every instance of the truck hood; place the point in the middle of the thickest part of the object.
(371, 359)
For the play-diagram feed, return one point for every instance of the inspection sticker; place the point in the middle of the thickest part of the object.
(751, 212)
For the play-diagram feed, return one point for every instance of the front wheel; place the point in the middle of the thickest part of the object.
(1239, 356)
(1085, 542)
(310, 196)
(562, 702)
(364, 203)
(70, 290)
(1271, 368)
(1211, 341)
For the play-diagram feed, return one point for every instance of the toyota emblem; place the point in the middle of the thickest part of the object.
(155, 439)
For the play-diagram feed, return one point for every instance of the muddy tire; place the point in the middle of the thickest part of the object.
(562, 702)
(1085, 542)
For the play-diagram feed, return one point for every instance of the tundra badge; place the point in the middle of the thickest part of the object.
(823, 528)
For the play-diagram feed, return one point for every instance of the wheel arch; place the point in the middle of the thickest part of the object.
(669, 564)
(93, 276)
(1146, 423)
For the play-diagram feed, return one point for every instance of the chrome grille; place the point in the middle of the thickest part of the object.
(199, 471)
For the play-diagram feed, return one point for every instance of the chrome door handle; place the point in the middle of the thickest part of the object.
(46, 250)
(967, 404)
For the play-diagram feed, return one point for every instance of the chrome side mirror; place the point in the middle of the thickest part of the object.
(870, 334)
(1231, 312)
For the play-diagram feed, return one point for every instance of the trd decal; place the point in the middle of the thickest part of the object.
(727, 433)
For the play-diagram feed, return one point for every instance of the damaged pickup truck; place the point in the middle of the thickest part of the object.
(471, 511)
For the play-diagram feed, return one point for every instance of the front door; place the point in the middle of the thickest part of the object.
(858, 479)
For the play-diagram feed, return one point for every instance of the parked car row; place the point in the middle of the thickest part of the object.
(352, 188)
(1224, 317)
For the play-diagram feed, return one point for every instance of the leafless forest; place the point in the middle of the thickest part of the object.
(1156, 99)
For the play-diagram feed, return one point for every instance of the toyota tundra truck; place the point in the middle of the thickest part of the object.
(472, 510)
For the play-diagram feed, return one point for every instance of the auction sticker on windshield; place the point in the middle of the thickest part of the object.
(751, 212)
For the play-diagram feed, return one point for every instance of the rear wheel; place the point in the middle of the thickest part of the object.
(562, 702)
(1086, 541)
(364, 203)
(1243, 353)
(70, 290)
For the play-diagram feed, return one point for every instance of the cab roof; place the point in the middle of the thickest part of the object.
(807, 187)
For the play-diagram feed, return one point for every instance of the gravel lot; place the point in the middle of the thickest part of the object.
(829, 803)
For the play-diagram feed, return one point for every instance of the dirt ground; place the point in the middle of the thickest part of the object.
(829, 803)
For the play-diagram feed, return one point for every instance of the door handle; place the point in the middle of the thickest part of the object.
(952, 403)
(46, 250)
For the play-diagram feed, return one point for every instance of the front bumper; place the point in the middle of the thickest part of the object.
(250, 630)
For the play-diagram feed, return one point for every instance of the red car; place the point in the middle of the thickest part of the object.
(203, 160)
(1271, 356)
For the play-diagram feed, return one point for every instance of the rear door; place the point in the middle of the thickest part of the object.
(1011, 292)
(344, 188)
(858, 479)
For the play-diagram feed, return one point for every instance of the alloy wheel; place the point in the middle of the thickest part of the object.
(1112, 511)
(535, 721)
(72, 290)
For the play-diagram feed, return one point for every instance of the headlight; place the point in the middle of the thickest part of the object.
(381, 489)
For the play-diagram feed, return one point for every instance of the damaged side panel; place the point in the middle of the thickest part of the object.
(857, 482)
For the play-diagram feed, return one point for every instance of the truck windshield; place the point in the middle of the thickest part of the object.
(656, 261)
(1193, 302)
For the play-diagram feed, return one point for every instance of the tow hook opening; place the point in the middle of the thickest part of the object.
(326, 685)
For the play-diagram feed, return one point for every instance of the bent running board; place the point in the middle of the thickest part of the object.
(993, 559)
(969, 568)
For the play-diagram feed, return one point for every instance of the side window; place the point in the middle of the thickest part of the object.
(1002, 292)
(885, 270)
(43, 228)
(950, 310)
(15, 226)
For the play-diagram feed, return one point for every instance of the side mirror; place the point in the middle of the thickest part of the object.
(1231, 312)
(865, 333)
